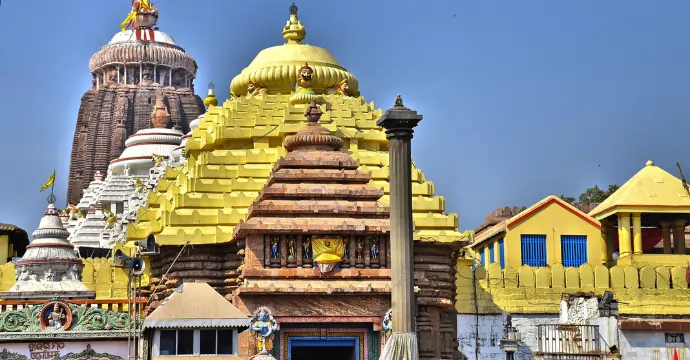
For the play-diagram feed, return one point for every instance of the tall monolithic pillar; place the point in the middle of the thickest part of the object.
(399, 122)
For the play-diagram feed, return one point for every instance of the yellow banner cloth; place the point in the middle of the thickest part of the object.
(328, 250)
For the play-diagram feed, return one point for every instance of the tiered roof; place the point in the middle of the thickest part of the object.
(232, 152)
(316, 189)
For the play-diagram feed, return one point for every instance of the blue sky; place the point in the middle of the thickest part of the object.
(521, 99)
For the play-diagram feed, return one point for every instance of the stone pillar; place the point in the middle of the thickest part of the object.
(155, 73)
(666, 235)
(637, 233)
(679, 236)
(118, 73)
(170, 77)
(98, 82)
(603, 241)
(399, 122)
(125, 65)
(624, 234)
(141, 72)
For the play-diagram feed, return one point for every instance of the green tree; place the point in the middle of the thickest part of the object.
(568, 199)
(597, 195)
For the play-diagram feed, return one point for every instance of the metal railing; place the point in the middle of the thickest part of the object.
(562, 341)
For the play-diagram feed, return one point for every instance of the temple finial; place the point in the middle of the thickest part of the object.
(211, 85)
(210, 97)
(399, 101)
(313, 113)
(293, 31)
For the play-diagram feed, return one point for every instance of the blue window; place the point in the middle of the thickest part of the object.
(501, 254)
(533, 250)
(482, 258)
(573, 250)
(492, 255)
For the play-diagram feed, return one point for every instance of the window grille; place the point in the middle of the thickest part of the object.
(533, 250)
(573, 250)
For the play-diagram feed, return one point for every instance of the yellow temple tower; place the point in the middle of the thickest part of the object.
(196, 206)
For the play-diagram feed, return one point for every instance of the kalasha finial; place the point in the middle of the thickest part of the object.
(313, 113)
(398, 101)
(293, 9)
(211, 85)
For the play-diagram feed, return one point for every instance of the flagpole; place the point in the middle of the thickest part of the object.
(51, 197)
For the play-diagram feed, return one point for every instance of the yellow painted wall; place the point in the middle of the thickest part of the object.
(108, 282)
(660, 290)
(552, 221)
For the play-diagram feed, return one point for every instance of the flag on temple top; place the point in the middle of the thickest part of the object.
(49, 182)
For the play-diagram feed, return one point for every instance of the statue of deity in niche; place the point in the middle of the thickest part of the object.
(346, 242)
(359, 248)
(306, 247)
(263, 327)
(274, 247)
(374, 250)
(387, 323)
(291, 245)
(56, 318)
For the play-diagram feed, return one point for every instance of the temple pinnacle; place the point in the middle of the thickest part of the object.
(293, 9)
(399, 101)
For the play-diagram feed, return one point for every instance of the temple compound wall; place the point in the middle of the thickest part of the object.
(98, 275)
(558, 300)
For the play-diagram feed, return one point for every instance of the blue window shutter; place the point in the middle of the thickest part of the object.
(533, 250)
(573, 250)
(492, 256)
(501, 254)
(482, 259)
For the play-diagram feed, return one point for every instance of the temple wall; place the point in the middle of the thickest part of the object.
(99, 275)
(648, 290)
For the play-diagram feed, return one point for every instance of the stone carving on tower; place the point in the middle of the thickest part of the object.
(129, 72)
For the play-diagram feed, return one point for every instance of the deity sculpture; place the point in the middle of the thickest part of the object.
(374, 251)
(72, 273)
(291, 245)
(274, 247)
(387, 323)
(346, 241)
(23, 274)
(254, 89)
(157, 159)
(110, 219)
(49, 275)
(359, 248)
(304, 80)
(263, 326)
(342, 88)
(74, 213)
(306, 247)
(56, 319)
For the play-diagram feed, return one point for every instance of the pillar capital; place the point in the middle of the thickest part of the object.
(680, 223)
(636, 214)
(399, 121)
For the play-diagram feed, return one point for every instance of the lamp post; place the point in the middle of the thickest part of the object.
(399, 122)
(511, 339)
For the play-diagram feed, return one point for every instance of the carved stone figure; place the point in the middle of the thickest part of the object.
(263, 327)
(387, 323)
(49, 275)
(274, 247)
(110, 219)
(374, 251)
(57, 318)
(127, 169)
(72, 273)
(254, 89)
(306, 247)
(74, 213)
(343, 88)
(359, 248)
(24, 274)
(291, 246)
(304, 78)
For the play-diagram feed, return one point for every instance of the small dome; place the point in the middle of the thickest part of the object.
(210, 97)
(277, 67)
(129, 36)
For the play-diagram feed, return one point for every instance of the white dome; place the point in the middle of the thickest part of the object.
(130, 36)
(141, 147)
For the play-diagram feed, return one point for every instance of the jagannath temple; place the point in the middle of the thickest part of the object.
(139, 62)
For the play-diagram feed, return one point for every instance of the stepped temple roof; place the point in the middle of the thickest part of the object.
(138, 71)
(651, 190)
(235, 147)
(316, 188)
(50, 265)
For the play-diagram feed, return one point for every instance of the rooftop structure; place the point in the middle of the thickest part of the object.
(131, 73)
(97, 220)
(50, 265)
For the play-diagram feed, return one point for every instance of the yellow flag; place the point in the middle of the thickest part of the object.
(49, 183)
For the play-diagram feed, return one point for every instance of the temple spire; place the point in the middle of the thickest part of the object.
(210, 97)
(294, 32)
